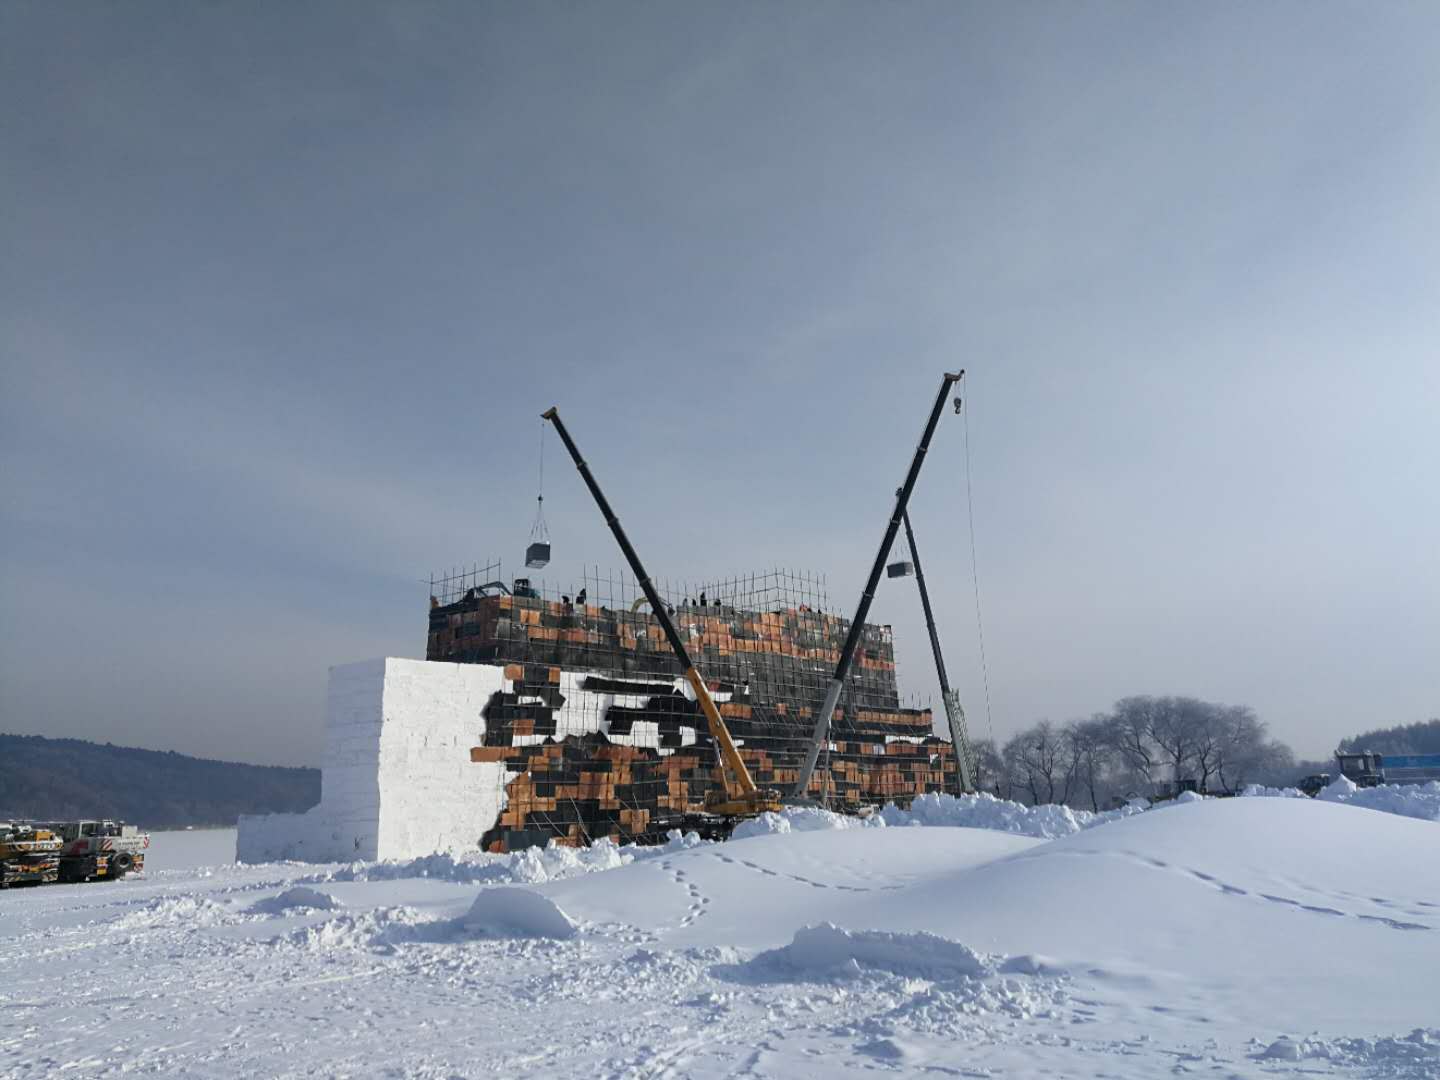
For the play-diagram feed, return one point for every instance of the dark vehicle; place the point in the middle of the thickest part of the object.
(1368, 769)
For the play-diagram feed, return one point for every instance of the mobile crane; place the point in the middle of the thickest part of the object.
(740, 798)
(857, 625)
(100, 849)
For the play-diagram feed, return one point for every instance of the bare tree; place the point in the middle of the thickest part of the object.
(1241, 751)
(1126, 750)
(1127, 730)
(1038, 758)
(1022, 779)
(1210, 734)
(1089, 750)
(990, 772)
(1175, 726)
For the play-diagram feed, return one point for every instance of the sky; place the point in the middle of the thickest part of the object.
(284, 288)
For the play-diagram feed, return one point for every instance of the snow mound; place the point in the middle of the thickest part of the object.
(801, 819)
(1258, 791)
(189, 911)
(1050, 822)
(530, 866)
(1282, 1049)
(983, 811)
(1044, 822)
(1338, 790)
(942, 1008)
(884, 1049)
(365, 930)
(828, 952)
(1416, 1055)
(300, 896)
(509, 912)
(1420, 801)
(1408, 800)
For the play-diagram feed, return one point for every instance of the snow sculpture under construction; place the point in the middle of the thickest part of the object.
(543, 715)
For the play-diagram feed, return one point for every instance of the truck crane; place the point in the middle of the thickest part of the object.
(100, 849)
(857, 625)
(740, 798)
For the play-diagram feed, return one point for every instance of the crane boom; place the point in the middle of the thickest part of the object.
(857, 626)
(742, 795)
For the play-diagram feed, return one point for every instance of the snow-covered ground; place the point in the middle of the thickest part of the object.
(1229, 938)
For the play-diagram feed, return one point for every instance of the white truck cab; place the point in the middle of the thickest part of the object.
(100, 849)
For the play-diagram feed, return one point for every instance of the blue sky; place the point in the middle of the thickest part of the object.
(283, 289)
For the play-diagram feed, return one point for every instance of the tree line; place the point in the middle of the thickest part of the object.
(1423, 738)
(1143, 746)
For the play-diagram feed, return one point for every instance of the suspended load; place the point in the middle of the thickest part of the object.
(537, 555)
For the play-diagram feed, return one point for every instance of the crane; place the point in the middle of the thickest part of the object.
(741, 798)
(857, 625)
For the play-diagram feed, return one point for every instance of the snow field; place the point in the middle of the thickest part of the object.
(1236, 938)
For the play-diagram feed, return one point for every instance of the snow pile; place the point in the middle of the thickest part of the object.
(1341, 789)
(1258, 791)
(186, 911)
(941, 1008)
(1414, 1055)
(365, 930)
(1045, 822)
(828, 952)
(510, 912)
(530, 866)
(916, 983)
(1408, 800)
(802, 819)
(301, 897)
(1050, 821)
(983, 811)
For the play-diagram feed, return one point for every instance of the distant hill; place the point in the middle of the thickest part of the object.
(50, 779)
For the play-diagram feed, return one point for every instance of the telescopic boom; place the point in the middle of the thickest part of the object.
(744, 797)
(857, 626)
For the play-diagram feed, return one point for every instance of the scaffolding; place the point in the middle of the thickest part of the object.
(594, 692)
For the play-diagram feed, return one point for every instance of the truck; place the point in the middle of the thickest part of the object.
(1366, 768)
(91, 850)
(29, 854)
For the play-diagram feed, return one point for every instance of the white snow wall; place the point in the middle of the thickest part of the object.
(397, 781)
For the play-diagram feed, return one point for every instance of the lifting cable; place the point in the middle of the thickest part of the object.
(539, 531)
(975, 571)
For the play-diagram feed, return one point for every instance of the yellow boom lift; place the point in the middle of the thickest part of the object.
(741, 798)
